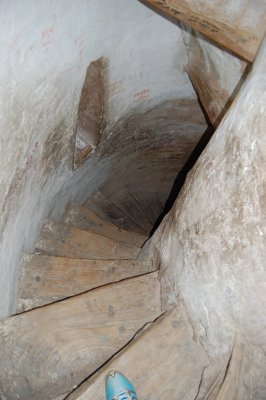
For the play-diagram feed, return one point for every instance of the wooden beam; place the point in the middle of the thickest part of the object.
(241, 42)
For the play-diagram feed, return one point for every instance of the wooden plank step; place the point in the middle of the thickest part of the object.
(104, 207)
(84, 218)
(151, 204)
(46, 279)
(47, 351)
(163, 363)
(132, 209)
(66, 241)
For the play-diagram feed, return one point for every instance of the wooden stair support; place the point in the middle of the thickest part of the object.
(239, 41)
(46, 279)
(66, 241)
(46, 352)
(84, 218)
(104, 207)
(163, 363)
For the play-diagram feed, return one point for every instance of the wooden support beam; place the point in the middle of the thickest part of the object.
(237, 40)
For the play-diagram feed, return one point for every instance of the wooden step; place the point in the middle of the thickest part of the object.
(46, 279)
(104, 207)
(151, 203)
(66, 241)
(163, 363)
(132, 209)
(84, 218)
(47, 351)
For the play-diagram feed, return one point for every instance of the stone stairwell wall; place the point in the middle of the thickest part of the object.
(211, 246)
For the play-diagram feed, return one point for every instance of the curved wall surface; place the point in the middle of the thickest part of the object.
(46, 49)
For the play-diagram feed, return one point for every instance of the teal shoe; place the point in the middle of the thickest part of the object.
(117, 387)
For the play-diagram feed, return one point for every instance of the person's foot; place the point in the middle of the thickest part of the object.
(118, 387)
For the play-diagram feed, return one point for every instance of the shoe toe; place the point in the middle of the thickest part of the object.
(116, 383)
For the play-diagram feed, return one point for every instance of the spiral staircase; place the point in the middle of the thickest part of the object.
(84, 297)
(90, 301)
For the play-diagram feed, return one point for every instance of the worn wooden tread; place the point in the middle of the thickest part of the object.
(151, 204)
(104, 207)
(126, 202)
(47, 351)
(46, 279)
(239, 41)
(162, 363)
(66, 241)
(84, 218)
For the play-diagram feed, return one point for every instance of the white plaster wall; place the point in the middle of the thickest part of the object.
(229, 69)
(216, 75)
(45, 48)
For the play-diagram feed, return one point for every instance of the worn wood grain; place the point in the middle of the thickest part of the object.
(61, 397)
(103, 206)
(47, 351)
(66, 241)
(163, 363)
(150, 203)
(241, 42)
(126, 202)
(46, 279)
(84, 218)
(90, 111)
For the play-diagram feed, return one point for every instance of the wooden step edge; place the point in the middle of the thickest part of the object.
(152, 273)
(103, 320)
(49, 223)
(143, 228)
(118, 221)
(105, 368)
(144, 212)
(33, 292)
(61, 240)
(128, 237)
(148, 223)
(165, 346)
(62, 396)
(77, 393)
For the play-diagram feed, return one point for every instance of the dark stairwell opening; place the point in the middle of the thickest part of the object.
(150, 154)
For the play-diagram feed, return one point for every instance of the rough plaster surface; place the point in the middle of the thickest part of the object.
(45, 49)
(211, 246)
(215, 74)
